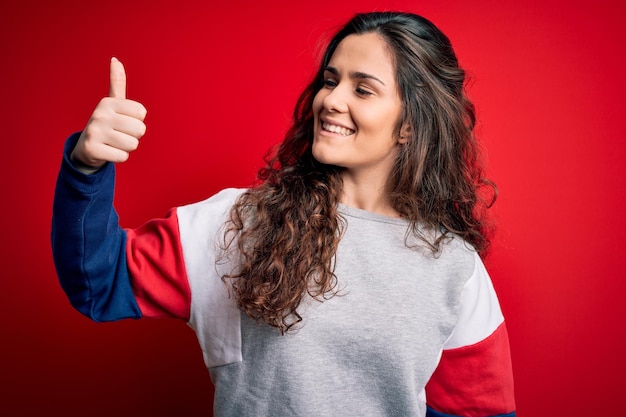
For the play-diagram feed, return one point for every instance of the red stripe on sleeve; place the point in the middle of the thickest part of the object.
(157, 269)
(475, 380)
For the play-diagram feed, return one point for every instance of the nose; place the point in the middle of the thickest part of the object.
(336, 100)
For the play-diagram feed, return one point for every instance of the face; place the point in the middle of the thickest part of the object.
(356, 113)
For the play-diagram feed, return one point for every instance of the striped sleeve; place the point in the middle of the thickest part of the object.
(474, 377)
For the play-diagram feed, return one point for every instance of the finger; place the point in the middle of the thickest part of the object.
(109, 105)
(122, 141)
(129, 126)
(131, 108)
(112, 154)
(117, 79)
(115, 148)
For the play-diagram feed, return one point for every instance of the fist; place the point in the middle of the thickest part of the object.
(114, 128)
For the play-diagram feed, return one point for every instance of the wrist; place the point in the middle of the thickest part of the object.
(83, 167)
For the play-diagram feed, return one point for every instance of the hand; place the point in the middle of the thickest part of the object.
(114, 129)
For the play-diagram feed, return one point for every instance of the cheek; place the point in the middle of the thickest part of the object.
(374, 123)
(383, 120)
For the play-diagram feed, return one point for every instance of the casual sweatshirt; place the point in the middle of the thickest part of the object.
(409, 332)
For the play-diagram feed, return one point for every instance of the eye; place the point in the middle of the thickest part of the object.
(328, 83)
(363, 92)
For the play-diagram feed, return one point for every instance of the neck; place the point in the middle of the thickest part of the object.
(367, 194)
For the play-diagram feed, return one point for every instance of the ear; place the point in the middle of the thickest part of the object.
(405, 133)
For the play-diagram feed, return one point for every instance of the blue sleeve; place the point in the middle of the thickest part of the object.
(88, 245)
(432, 413)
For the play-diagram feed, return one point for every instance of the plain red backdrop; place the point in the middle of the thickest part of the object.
(219, 82)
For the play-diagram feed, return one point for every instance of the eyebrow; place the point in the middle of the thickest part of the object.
(355, 74)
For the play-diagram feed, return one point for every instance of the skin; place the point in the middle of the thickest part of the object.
(361, 95)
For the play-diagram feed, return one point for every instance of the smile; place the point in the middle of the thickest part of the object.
(343, 131)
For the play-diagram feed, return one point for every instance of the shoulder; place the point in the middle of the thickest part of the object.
(454, 256)
(459, 253)
(222, 199)
(217, 205)
(207, 216)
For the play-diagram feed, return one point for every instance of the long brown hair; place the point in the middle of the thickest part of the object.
(286, 229)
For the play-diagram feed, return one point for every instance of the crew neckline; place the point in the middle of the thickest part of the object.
(368, 215)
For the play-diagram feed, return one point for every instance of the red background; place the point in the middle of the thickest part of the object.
(219, 82)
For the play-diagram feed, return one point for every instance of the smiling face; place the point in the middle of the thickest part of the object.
(357, 112)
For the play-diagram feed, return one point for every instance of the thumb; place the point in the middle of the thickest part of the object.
(117, 83)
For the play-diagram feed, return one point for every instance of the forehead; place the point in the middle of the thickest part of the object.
(367, 52)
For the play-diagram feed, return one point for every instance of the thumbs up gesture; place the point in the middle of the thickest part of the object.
(114, 129)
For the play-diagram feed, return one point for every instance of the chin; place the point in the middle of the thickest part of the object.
(320, 159)
(319, 155)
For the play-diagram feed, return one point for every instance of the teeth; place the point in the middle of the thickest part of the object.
(337, 129)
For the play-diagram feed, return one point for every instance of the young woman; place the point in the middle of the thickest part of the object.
(349, 282)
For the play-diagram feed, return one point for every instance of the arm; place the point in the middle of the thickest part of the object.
(474, 376)
(109, 273)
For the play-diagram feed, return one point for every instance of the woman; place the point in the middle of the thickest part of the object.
(349, 281)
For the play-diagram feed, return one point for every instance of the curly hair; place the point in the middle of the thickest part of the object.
(286, 229)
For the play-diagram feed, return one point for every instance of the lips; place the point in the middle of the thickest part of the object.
(343, 131)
